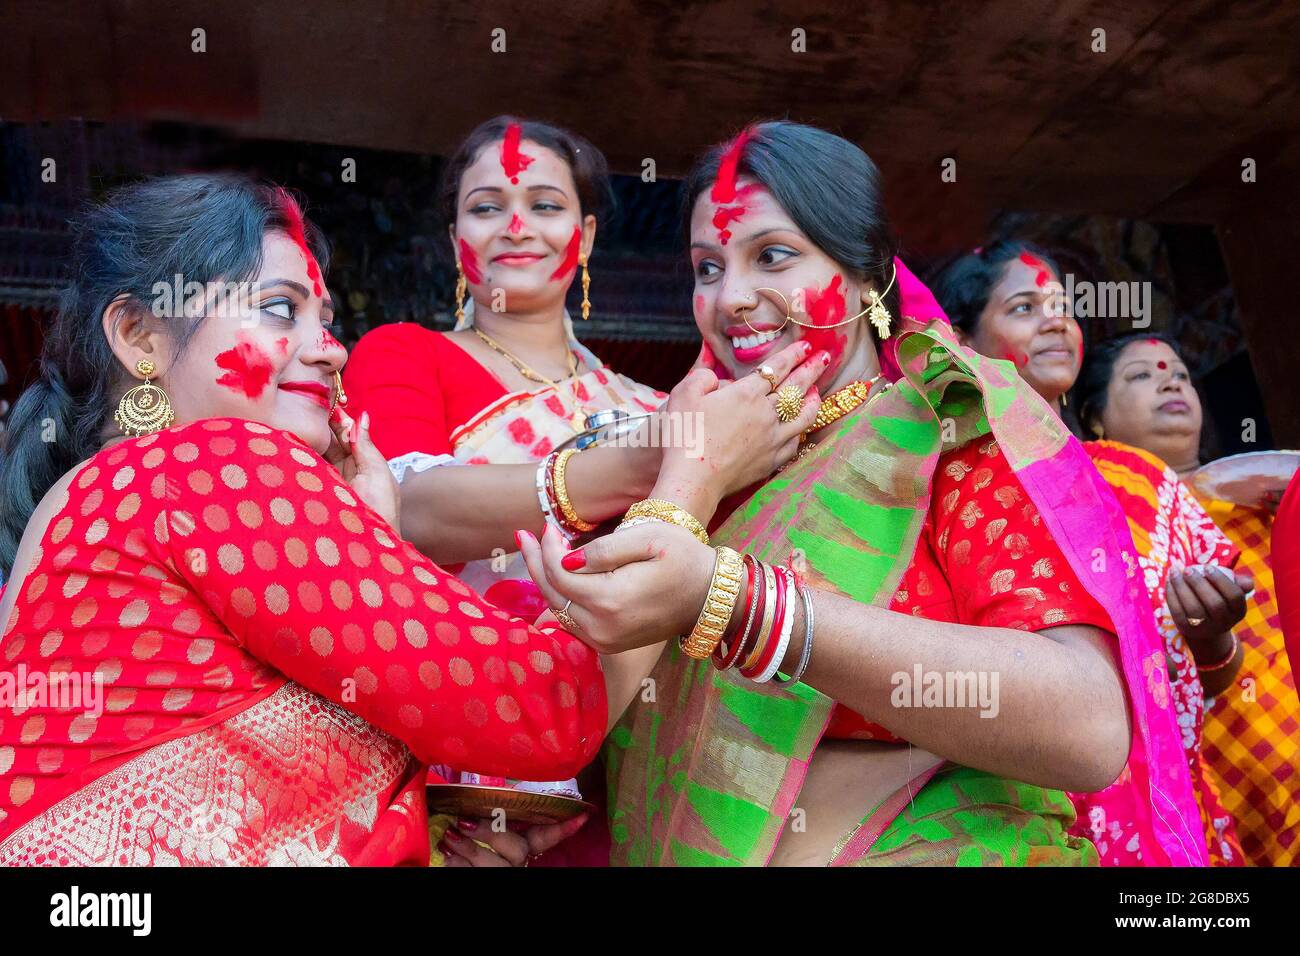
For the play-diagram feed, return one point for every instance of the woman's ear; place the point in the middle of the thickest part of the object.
(588, 234)
(451, 234)
(133, 336)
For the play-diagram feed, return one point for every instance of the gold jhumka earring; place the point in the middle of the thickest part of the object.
(461, 287)
(586, 288)
(145, 408)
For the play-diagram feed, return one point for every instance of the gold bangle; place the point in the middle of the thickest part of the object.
(562, 493)
(724, 592)
(662, 510)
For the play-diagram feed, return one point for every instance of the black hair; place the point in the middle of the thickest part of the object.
(586, 162)
(964, 286)
(1099, 365)
(204, 228)
(827, 185)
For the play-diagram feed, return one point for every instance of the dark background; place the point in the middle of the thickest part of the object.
(1126, 164)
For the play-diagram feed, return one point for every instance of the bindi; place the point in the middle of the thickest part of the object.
(247, 368)
(516, 225)
(513, 160)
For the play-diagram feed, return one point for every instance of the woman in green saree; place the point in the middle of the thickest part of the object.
(975, 645)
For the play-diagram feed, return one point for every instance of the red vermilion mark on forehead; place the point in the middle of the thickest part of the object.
(513, 161)
(516, 224)
(297, 234)
(724, 187)
(1043, 275)
(724, 216)
(248, 368)
(1162, 365)
(469, 263)
(570, 260)
(1154, 341)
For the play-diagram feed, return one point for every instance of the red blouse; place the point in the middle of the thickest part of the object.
(983, 558)
(196, 569)
(418, 386)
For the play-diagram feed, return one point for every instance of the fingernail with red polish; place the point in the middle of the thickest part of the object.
(444, 848)
(452, 837)
(469, 826)
(519, 540)
(574, 560)
(807, 347)
(826, 358)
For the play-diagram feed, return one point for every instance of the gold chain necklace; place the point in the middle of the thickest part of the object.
(522, 367)
(842, 401)
(578, 420)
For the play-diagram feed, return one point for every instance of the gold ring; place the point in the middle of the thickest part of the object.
(565, 618)
(768, 374)
(1196, 621)
(789, 403)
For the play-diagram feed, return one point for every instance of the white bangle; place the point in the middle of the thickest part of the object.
(787, 628)
(544, 500)
(806, 654)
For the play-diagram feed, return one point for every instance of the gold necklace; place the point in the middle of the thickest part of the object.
(842, 401)
(578, 420)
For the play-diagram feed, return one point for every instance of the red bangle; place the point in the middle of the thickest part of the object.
(1220, 665)
(778, 621)
(737, 641)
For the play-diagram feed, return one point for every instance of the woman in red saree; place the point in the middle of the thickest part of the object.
(941, 525)
(1005, 300)
(218, 649)
(1253, 725)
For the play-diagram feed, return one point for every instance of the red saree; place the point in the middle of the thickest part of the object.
(277, 666)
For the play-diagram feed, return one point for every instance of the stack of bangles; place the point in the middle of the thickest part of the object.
(553, 494)
(758, 641)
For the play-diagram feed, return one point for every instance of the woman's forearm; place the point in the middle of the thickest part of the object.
(1215, 682)
(464, 513)
(1048, 707)
(625, 677)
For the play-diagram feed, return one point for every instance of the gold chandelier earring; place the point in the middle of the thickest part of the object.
(145, 408)
(461, 287)
(586, 287)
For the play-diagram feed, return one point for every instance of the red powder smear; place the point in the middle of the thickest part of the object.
(248, 368)
(724, 187)
(516, 224)
(826, 306)
(570, 261)
(1154, 341)
(297, 233)
(725, 215)
(469, 263)
(1016, 358)
(710, 361)
(328, 341)
(514, 162)
(282, 345)
(1044, 275)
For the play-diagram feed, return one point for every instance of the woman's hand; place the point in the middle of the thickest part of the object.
(1206, 601)
(738, 438)
(507, 848)
(363, 466)
(628, 589)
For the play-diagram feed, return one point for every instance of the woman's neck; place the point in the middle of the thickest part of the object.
(863, 365)
(537, 338)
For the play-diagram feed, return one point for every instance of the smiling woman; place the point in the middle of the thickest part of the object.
(279, 666)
